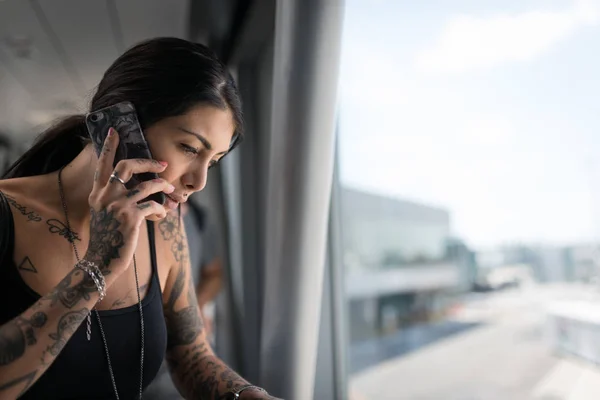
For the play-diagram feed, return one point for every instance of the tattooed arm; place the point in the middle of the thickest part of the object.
(195, 369)
(30, 342)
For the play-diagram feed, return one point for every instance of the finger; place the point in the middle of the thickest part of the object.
(125, 169)
(107, 157)
(147, 188)
(150, 208)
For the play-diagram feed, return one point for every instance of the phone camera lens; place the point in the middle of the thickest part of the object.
(95, 117)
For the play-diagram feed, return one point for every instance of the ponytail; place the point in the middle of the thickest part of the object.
(54, 148)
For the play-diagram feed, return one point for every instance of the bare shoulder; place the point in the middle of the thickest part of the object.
(26, 195)
(29, 186)
(15, 186)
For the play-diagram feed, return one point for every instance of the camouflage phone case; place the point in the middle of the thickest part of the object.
(132, 144)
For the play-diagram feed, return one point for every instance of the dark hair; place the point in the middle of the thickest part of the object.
(162, 77)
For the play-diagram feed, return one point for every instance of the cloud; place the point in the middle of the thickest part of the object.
(369, 78)
(487, 130)
(469, 42)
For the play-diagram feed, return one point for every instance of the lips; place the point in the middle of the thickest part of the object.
(171, 203)
(175, 198)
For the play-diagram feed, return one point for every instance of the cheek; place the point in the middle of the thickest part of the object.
(174, 171)
(164, 152)
(158, 150)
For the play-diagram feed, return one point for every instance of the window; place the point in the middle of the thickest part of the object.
(470, 201)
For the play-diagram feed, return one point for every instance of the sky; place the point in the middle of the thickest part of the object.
(489, 109)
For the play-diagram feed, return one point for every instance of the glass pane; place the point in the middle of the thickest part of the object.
(470, 204)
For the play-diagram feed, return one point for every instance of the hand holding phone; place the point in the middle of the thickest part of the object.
(132, 144)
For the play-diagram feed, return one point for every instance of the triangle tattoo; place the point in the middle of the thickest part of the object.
(27, 265)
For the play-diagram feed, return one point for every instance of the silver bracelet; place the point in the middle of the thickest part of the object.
(99, 274)
(236, 393)
(94, 272)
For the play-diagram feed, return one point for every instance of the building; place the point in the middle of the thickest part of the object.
(381, 231)
(399, 269)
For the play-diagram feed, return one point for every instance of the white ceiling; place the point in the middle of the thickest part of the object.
(54, 52)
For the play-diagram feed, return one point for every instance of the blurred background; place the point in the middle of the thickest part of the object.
(415, 211)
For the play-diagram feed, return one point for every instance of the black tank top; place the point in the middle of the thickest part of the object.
(81, 371)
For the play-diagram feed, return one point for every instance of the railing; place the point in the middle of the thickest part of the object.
(404, 279)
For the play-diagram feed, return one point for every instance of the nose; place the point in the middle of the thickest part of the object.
(196, 180)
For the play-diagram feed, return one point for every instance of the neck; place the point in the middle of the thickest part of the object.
(77, 181)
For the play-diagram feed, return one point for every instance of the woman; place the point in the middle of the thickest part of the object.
(74, 234)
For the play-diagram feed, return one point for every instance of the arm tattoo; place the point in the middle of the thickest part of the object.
(183, 326)
(23, 332)
(105, 239)
(67, 325)
(57, 226)
(28, 379)
(202, 374)
(70, 294)
(198, 372)
(16, 335)
(27, 265)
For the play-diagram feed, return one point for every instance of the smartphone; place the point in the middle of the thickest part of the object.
(132, 143)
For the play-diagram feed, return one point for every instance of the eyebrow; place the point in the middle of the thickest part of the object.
(201, 138)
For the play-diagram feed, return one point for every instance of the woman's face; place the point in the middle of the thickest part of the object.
(190, 143)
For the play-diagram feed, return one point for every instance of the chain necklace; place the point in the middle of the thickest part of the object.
(71, 239)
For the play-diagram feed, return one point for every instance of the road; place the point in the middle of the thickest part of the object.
(503, 356)
(369, 353)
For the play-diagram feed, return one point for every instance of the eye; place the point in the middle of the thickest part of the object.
(188, 149)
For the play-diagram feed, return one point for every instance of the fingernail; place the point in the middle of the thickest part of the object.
(157, 180)
(111, 131)
(163, 163)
